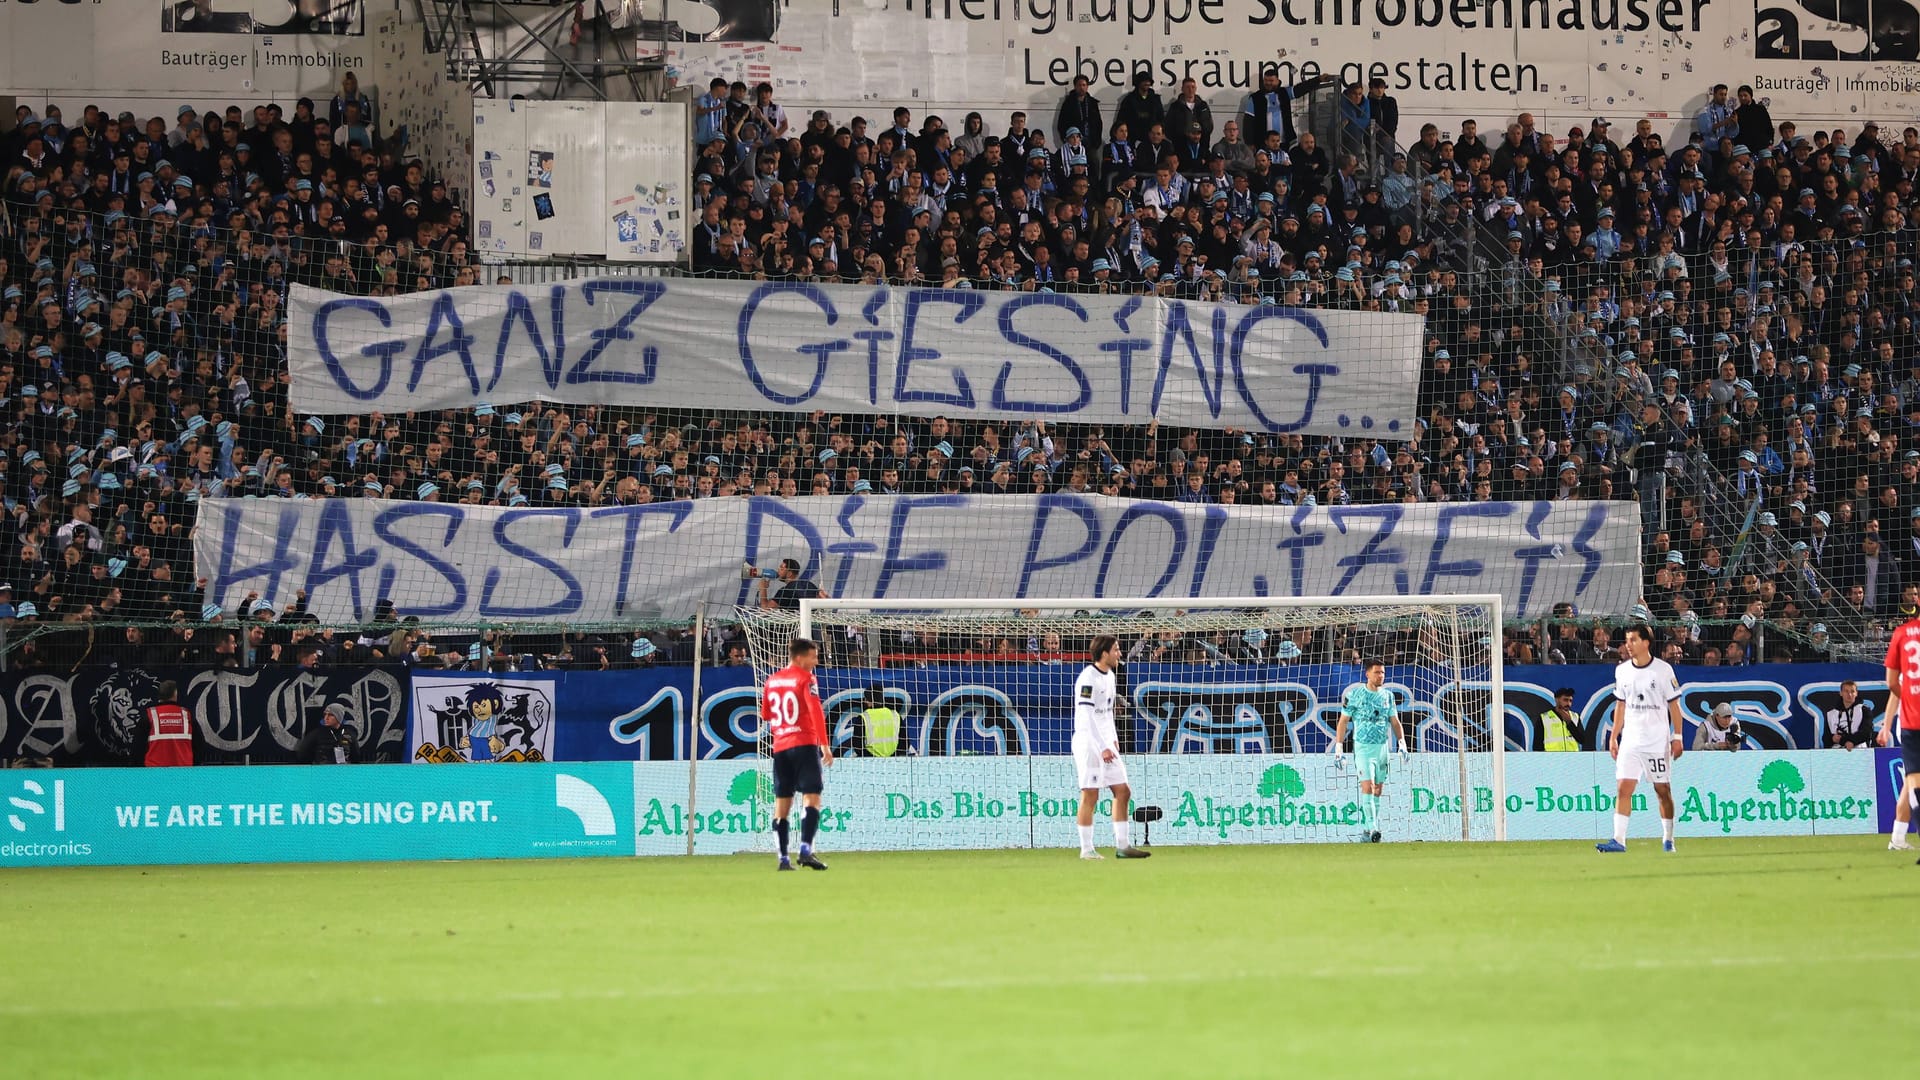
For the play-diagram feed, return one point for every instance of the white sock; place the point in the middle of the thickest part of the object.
(1086, 838)
(1620, 827)
(1666, 828)
(1120, 838)
(1899, 831)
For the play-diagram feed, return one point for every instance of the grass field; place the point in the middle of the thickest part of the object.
(1735, 958)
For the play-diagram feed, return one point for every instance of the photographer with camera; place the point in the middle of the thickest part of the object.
(330, 742)
(1721, 731)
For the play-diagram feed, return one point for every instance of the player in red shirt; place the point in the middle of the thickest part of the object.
(169, 729)
(790, 705)
(1903, 708)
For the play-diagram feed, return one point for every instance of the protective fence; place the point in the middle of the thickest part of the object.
(983, 707)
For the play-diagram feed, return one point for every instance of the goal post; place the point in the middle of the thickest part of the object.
(1230, 704)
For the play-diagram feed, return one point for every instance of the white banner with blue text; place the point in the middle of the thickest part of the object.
(679, 343)
(452, 562)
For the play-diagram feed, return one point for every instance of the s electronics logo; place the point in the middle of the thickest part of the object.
(36, 808)
(39, 807)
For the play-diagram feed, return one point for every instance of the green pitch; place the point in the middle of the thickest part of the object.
(1734, 958)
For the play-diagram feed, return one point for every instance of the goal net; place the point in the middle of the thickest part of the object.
(953, 724)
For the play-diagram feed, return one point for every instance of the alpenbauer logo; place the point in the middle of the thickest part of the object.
(38, 809)
(1783, 798)
(586, 803)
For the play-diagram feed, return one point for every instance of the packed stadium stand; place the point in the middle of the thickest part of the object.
(1719, 328)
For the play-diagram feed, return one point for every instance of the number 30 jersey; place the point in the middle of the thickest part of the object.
(790, 707)
(1903, 656)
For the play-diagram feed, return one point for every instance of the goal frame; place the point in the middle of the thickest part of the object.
(1496, 698)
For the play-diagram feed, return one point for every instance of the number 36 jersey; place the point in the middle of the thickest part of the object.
(1646, 691)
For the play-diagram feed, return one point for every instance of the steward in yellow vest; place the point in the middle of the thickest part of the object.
(1560, 726)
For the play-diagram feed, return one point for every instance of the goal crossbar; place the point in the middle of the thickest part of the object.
(1491, 601)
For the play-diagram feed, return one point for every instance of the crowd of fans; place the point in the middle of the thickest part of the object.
(1722, 330)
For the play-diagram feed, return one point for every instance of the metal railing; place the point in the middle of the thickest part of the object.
(1375, 153)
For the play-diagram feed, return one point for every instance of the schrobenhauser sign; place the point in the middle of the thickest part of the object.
(1562, 59)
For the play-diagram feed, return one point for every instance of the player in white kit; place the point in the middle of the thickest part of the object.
(1646, 734)
(1096, 749)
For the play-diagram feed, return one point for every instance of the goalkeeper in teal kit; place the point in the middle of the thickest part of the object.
(1368, 707)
